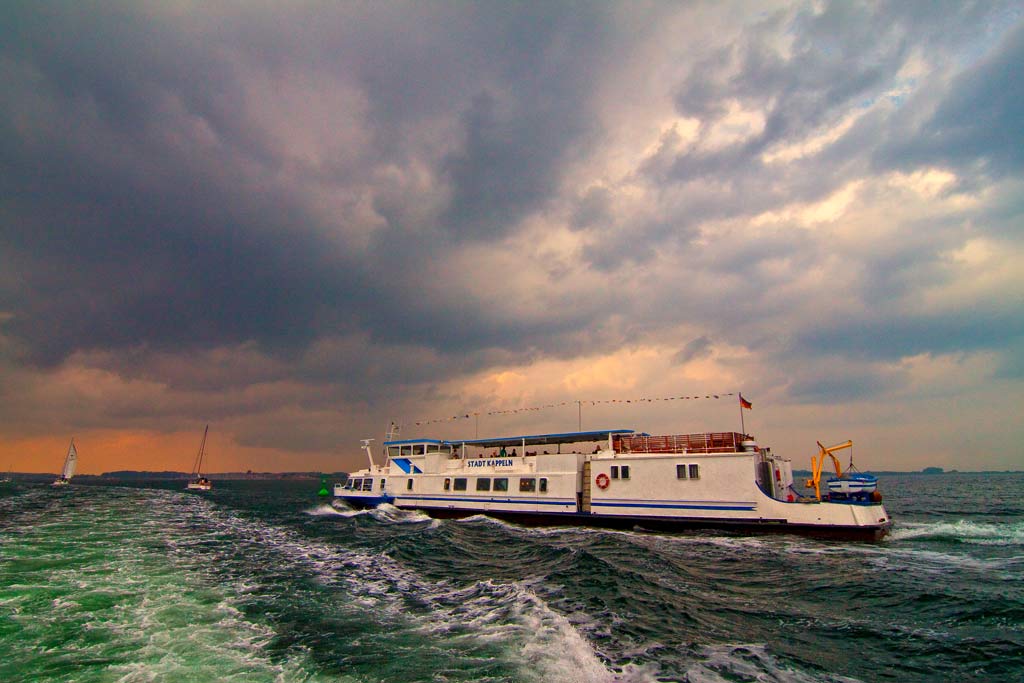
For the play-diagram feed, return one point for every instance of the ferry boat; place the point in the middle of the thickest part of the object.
(616, 478)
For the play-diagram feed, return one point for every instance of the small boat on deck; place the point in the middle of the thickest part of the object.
(70, 465)
(615, 478)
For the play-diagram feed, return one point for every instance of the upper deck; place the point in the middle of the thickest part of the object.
(618, 440)
(712, 442)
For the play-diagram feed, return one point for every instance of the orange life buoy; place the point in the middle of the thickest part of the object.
(603, 481)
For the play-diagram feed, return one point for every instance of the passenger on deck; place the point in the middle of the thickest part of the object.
(504, 453)
(513, 452)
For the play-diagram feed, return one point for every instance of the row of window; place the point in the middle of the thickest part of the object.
(417, 449)
(362, 484)
(526, 484)
(683, 470)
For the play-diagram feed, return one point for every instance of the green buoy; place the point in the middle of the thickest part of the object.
(323, 487)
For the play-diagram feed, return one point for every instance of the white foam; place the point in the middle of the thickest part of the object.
(329, 511)
(748, 662)
(964, 531)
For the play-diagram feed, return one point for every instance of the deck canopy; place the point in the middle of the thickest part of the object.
(540, 439)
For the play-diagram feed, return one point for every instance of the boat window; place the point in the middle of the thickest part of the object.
(408, 485)
(356, 484)
(394, 451)
(483, 484)
(625, 471)
(680, 471)
(418, 449)
(434, 448)
(447, 483)
(694, 471)
(501, 484)
(367, 484)
(543, 484)
(382, 484)
(527, 484)
(460, 484)
(615, 471)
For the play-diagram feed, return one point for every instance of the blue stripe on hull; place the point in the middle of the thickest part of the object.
(747, 507)
(503, 501)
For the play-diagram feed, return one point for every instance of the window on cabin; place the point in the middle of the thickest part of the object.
(417, 449)
(354, 484)
(394, 451)
(447, 483)
(694, 471)
(527, 484)
(382, 484)
(680, 471)
(543, 484)
(615, 471)
(501, 484)
(483, 484)
(408, 485)
(625, 471)
(460, 483)
(367, 484)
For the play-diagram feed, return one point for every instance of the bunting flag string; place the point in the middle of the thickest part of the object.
(513, 411)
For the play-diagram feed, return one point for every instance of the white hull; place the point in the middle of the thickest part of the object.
(718, 483)
(198, 486)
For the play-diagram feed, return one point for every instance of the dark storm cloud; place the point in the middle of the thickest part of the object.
(158, 195)
(892, 337)
(980, 121)
(126, 230)
(696, 348)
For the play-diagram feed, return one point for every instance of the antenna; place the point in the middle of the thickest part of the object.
(369, 454)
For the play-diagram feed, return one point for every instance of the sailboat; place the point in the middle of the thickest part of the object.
(70, 463)
(198, 482)
(8, 479)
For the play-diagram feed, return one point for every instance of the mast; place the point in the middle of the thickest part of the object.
(366, 447)
(197, 469)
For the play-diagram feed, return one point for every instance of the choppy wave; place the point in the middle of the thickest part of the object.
(151, 585)
(962, 531)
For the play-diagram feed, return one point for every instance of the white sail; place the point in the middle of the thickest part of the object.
(70, 462)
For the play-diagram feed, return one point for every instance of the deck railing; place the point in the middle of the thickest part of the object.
(715, 442)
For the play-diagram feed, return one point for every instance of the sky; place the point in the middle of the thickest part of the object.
(298, 222)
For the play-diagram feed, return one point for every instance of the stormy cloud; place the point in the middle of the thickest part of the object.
(303, 221)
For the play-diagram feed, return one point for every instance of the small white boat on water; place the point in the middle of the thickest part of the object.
(197, 482)
(70, 464)
(615, 478)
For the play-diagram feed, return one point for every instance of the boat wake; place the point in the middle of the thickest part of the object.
(331, 511)
(963, 531)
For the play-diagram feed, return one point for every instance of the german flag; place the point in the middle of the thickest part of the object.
(744, 403)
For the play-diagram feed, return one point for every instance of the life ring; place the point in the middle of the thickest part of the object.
(603, 481)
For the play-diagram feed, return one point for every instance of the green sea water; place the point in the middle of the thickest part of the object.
(263, 581)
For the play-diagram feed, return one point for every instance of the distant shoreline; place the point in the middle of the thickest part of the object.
(129, 475)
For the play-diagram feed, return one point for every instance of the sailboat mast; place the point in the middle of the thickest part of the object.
(197, 469)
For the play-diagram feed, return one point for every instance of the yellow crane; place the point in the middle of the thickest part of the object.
(818, 461)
